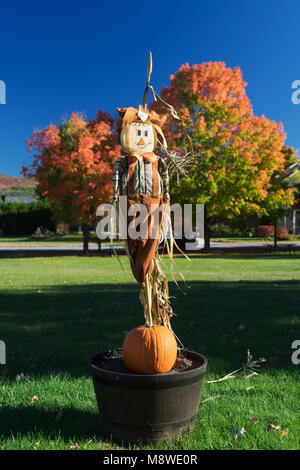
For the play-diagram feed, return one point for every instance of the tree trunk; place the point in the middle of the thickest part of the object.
(206, 231)
(86, 236)
(99, 244)
(275, 233)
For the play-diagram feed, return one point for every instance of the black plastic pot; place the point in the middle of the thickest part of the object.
(138, 407)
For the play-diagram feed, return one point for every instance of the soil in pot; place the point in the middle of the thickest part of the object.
(112, 361)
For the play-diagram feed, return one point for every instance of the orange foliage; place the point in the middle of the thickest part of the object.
(74, 165)
(236, 152)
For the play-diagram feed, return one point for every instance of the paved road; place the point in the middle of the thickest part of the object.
(250, 244)
(12, 247)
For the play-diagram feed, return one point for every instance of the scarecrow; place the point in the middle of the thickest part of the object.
(142, 176)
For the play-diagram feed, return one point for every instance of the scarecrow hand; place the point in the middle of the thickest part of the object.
(166, 199)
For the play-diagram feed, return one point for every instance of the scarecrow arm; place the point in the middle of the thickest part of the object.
(116, 180)
(165, 180)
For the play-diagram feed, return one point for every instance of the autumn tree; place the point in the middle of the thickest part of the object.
(236, 153)
(72, 164)
(281, 192)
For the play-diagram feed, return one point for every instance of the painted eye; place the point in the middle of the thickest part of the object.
(146, 133)
(138, 132)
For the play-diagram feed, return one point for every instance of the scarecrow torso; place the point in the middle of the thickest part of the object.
(140, 177)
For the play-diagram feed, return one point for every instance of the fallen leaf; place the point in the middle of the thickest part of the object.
(37, 443)
(241, 433)
(250, 388)
(275, 427)
(34, 398)
(273, 358)
(254, 419)
(283, 432)
(59, 415)
(76, 446)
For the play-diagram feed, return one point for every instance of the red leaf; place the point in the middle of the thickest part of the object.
(273, 358)
(59, 416)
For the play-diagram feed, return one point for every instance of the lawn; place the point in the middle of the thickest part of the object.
(55, 313)
(52, 240)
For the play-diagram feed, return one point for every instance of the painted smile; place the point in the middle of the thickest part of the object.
(142, 146)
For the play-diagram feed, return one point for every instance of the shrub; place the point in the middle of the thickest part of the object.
(265, 231)
(62, 229)
(41, 233)
(283, 233)
(291, 237)
(224, 230)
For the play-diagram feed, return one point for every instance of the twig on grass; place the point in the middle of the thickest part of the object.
(250, 365)
(212, 398)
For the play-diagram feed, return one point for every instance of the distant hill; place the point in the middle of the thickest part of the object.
(17, 187)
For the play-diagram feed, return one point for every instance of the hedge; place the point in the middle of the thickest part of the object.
(22, 219)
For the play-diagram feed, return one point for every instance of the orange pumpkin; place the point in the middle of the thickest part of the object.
(150, 350)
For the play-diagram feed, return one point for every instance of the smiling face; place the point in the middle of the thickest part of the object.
(138, 137)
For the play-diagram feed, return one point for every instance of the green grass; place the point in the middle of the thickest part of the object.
(75, 238)
(55, 313)
(239, 239)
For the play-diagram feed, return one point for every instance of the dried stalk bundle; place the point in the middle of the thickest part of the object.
(175, 116)
(250, 365)
(149, 72)
(161, 310)
(155, 296)
(177, 165)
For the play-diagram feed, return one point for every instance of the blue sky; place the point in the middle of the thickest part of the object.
(62, 56)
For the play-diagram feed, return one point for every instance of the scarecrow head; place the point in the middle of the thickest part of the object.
(140, 130)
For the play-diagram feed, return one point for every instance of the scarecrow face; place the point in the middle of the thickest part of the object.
(138, 137)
